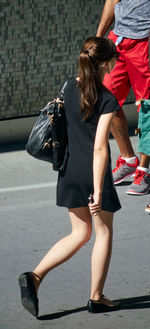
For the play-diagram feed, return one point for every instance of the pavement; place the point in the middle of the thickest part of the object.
(29, 225)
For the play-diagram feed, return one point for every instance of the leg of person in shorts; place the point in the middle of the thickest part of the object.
(132, 69)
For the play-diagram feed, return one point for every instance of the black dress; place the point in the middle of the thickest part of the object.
(75, 186)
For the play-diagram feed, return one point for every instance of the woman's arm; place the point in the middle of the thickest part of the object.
(107, 17)
(100, 159)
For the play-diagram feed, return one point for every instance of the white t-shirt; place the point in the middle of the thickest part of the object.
(132, 19)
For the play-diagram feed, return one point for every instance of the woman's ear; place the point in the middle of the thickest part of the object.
(102, 65)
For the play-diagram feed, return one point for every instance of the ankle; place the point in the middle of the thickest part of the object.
(129, 159)
(37, 280)
(37, 276)
(96, 297)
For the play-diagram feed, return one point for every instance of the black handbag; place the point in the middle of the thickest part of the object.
(48, 139)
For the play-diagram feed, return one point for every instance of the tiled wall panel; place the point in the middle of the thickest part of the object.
(39, 45)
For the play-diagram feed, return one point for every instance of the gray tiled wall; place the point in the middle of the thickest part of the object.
(39, 45)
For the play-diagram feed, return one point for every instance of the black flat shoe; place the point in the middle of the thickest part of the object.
(28, 293)
(99, 307)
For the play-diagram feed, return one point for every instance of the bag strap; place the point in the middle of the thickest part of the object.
(64, 86)
(61, 92)
(56, 145)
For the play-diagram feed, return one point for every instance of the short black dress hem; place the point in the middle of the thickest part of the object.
(75, 186)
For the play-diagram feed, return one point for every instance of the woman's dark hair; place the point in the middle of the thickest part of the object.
(94, 52)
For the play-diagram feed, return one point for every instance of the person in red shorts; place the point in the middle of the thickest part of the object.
(130, 33)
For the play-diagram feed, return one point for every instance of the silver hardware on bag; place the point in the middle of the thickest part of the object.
(55, 145)
(47, 145)
(51, 117)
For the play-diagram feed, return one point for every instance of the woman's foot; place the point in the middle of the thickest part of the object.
(102, 305)
(28, 286)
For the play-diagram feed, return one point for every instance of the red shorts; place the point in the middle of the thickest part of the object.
(131, 70)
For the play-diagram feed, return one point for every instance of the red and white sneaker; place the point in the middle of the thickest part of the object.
(124, 171)
(141, 183)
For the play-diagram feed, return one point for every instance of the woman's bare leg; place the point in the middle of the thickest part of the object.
(69, 245)
(101, 252)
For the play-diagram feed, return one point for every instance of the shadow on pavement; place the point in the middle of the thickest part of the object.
(19, 146)
(135, 302)
(60, 314)
(132, 303)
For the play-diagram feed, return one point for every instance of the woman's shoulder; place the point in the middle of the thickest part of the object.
(108, 102)
(106, 94)
(70, 82)
(71, 91)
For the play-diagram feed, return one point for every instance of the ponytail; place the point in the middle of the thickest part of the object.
(95, 51)
(88, 84)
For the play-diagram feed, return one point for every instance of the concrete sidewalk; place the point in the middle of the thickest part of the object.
(30, 224)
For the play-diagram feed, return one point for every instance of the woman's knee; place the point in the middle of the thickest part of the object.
(104, 223)
(81, 224)
(83, 235)
(88, 233)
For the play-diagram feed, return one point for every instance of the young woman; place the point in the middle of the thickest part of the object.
(89, 109)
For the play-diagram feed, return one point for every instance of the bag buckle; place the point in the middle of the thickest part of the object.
(51, 117)
(55, 145)
(46, 145)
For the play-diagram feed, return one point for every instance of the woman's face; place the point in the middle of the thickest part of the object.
(107, 67)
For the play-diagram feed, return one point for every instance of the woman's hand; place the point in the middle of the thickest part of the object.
(95, 204)
(100, 160)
